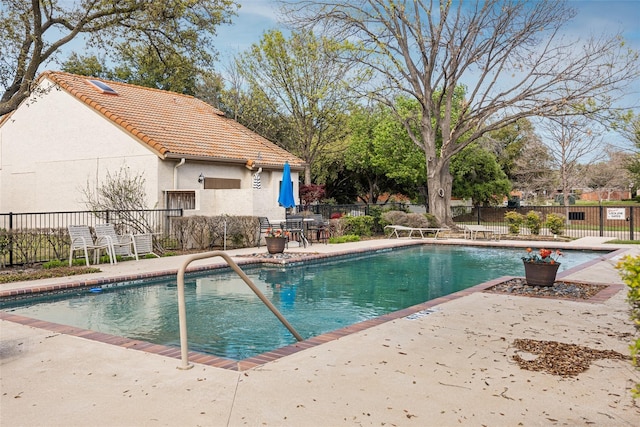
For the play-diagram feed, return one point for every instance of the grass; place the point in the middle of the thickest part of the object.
(24, 274)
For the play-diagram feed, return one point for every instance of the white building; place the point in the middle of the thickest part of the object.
(75, 130)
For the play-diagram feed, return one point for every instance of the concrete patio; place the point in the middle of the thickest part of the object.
(453, 366)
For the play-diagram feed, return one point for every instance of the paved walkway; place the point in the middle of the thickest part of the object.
(451, 367)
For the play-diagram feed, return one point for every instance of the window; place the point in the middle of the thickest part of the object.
(221, 184)
(181, 200)
(102, 87)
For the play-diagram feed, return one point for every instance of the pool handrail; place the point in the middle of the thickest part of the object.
(182, 309)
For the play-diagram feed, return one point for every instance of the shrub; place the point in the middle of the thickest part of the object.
(514, 221)
(344, 239)
(533, 221)
(393, 218)
(630, 272)
(417, 220)
(359, 225)
(555, 223)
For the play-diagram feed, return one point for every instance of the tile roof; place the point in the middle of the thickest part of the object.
(175, 125)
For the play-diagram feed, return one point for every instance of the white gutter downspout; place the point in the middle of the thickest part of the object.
(175, 173)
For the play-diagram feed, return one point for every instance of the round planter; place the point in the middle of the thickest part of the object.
(275, 245)
(540, 274)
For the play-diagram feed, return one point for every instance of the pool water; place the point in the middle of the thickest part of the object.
(226, 319)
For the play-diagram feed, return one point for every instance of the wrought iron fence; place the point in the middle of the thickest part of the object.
(617, 222)
(39, 237)
(333, 211)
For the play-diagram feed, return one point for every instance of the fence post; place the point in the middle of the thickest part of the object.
(11, 239)
(601, 220)
(479, 207)
(631, 208)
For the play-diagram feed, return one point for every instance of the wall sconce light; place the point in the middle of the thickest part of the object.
(201, 179)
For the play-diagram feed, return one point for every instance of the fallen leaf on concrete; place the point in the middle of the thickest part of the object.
(566, 360)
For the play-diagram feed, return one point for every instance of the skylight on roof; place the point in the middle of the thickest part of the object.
(102, 87)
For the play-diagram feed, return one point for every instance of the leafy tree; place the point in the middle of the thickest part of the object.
(381, 155)
(477, 175)
(89, 65)
(508, 144)
(509, 51)
(301, 80)
(32, 33)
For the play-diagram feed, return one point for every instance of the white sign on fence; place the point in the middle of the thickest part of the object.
(616, 213)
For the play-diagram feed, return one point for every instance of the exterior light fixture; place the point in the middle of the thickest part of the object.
(201, 179)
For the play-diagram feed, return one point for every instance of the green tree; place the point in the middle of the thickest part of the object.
(301, 80)
(508, 144)
(509, 51)
(32, 33)
(381, 155)
(89, 65)
(478, 175)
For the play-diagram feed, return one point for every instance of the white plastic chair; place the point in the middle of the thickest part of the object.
(82, 240)
(119, 244)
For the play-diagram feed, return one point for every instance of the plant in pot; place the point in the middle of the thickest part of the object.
(540, 268)
(276, 240)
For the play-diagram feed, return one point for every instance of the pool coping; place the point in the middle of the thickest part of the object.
(255, 361)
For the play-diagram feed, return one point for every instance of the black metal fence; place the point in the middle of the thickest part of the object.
(617, 222)
(39, 237)
(333, 211)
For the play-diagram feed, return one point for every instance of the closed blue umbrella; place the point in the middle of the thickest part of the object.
(285, 198)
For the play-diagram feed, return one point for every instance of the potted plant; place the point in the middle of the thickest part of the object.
(540, 268)
(276, 240)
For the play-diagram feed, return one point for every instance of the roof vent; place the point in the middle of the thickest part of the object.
(102, 87)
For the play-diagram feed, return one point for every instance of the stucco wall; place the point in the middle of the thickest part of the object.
(55, 146)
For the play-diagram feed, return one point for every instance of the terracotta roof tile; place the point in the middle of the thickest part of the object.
(175, 125)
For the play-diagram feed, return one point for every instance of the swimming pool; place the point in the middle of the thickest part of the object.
(226, 319)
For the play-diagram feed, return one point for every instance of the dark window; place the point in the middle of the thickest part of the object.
(576, 216)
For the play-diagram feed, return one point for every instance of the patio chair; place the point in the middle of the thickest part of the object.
(319, 229)
(119, 244)
(295, 231)
(82, 240)
(264, 226)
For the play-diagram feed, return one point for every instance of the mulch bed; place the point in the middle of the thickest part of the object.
(560, 289)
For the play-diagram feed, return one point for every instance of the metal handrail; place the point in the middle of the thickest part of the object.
(182, 309)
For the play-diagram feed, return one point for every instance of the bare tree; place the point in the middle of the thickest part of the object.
(510, 55)
(33, 31)
(571, 143)
(533, 171)
(607, 176)
(302, 80)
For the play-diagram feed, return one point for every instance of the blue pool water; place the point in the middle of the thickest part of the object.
(226, 319)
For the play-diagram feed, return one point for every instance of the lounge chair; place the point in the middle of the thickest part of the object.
(471, 232)
(82, 240)
(119, 244)
(423, 231)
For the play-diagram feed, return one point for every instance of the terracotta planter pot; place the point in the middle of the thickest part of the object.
(540, 274)
(275, 245)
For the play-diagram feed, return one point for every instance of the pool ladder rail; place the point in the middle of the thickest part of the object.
(182, 309)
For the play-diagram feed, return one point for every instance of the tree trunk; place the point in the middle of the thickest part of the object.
(439, 183)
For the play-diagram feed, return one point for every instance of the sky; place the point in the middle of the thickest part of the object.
(257, 16)
(594, 17)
